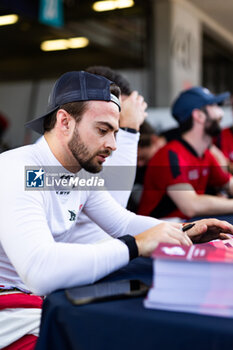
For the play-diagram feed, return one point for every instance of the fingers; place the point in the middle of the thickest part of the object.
(197, 230)
(177, 225)
(134, 94)
(222, 236)
(227, 227)
(187, 240)
(139, 99)
(133, 111)
(173, 240)
(181, 236)
(175, 231)
(224, 225)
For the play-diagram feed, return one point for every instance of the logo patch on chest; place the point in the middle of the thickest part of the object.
(72, 215)
(205, 172)
(193, 174)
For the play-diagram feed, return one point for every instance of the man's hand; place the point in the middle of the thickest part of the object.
(166, 232)
(133, 111)
(203, 231)
(206, 230)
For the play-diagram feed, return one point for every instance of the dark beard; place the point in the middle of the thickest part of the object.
(82, 155)
(212, 128)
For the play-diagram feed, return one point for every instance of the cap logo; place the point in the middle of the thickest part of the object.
(206, 91)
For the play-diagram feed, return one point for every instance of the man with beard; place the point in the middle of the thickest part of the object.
(120, 168)
(40, 251)
(179, 173)
(224, 142)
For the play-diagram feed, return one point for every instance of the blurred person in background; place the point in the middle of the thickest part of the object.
(4, 125)
(149, 144)
(179, 173)
(224, 142)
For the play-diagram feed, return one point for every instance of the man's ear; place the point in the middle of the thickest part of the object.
(198, 116)
(65, 121)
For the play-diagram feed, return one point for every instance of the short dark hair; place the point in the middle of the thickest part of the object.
(112, 75)
(146, 131)
(75, 109)
(186, 125)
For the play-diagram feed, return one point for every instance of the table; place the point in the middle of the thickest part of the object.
(126, 324)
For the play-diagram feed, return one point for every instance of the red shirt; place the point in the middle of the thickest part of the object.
(224, 141)
(177, 162)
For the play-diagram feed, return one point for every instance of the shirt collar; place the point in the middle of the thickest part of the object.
(188, 147)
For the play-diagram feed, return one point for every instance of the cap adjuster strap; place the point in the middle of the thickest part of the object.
(114, 99)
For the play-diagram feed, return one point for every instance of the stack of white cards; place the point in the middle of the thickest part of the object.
(195, 279)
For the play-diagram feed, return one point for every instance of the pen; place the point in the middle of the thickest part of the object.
(187, 227)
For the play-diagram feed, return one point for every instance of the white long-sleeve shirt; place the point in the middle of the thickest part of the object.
(40, 249)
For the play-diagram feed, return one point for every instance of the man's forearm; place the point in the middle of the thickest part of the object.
(209, 205)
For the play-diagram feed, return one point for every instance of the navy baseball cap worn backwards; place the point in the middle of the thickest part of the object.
(196, 97)
(72, 87)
